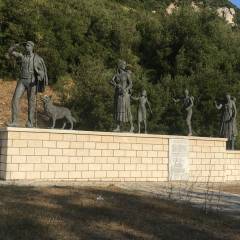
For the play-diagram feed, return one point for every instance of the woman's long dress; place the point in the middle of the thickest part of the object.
(122, 108)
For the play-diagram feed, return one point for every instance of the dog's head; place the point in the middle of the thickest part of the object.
(46, 99)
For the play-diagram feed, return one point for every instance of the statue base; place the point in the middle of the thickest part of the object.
(44, 154)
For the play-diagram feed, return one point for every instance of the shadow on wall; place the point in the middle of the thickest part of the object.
(75, 213)
(3, 155)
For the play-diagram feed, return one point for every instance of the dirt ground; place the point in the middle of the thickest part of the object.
(75, 213)
(231, 188)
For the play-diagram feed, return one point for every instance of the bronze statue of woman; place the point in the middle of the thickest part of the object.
(122, 83)
(228, 120)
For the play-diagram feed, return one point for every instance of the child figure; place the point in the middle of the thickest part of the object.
(142, 111)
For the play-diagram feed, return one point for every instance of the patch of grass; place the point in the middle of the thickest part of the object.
(67, 213)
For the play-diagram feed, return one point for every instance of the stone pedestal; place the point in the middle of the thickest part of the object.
(43, 154)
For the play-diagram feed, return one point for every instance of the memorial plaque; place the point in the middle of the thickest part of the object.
(178, 159)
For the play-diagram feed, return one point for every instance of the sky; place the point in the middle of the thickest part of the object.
(236, 2)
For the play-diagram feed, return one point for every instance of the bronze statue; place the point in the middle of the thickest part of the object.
(122, 83)
(228, 120)
(142, 111)
(33, 79)
(188, 103)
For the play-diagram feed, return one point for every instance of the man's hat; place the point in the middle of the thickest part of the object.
(30, 43)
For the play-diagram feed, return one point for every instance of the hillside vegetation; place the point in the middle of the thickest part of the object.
(81, 41)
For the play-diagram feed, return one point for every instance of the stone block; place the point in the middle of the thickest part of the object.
(118, 167)
(125, 146)
(147, 147)
(47, 175)
(88, 160)
(119, 153)
(107, 167)
(147, 160)
(77, 145)
(19, 159)
(17, 175)
(114, 146)
(100, 174)
(75, 160)
(26, 167)
(11, 151)
(136, 174)
(107, 139)
(62, 159)
(48, 159)
(95, 167)
(101, 160)
(33, 143)
(95, 153)
(90, 145)
(162, 154)
(63, 144)
(124, 160)
(55, 167)
(55, 137)
(70, 137)
(75, 175)
(135, 160)
(153, 154)
(55, 152)
(41, 151)
(82, 138)
(82, 167)
(27, 151)
(83, 152)
(95, 138)
(69, 152)
(33, 175)
(12, 167)
(34, 159)
(42, 167)
(49, 144)
(137, 146)
(10, 135)
(113, 174)
(119, 139)
(130, 167)
(19, 143)
(142, 153)
(61, 175)
(158, 147)
(87, 174)
(107, 153)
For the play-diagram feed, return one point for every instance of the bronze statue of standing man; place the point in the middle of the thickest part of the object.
(33, 78)
(122, 83)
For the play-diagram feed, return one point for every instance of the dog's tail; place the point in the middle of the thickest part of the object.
(74, 119)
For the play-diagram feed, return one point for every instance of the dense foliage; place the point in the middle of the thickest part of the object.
(81, 41)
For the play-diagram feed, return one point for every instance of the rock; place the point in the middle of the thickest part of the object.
(170, 9)
(228, 14)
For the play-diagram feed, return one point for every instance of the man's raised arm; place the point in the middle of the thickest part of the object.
(12, 52)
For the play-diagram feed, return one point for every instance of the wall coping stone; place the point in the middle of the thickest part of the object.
(233, 151)
(80, 132)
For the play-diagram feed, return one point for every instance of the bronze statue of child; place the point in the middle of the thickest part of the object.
(188, 103)
(142, 111)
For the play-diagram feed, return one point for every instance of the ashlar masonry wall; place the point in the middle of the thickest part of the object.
(43, 154)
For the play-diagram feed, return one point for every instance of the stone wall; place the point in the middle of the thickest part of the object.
(43, 154)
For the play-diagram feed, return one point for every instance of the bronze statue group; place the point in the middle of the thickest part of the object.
(34, 78)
